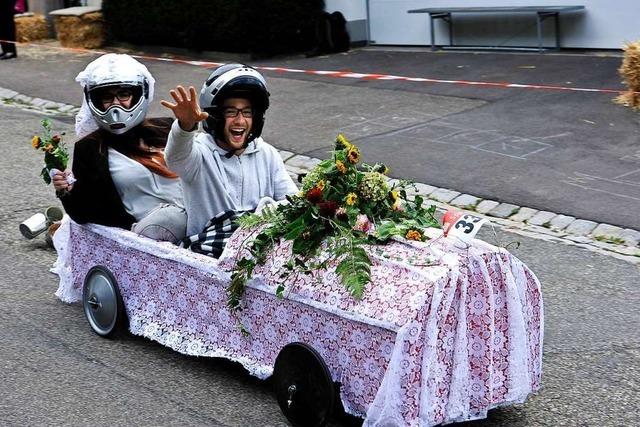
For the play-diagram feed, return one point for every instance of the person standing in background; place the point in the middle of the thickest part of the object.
(7, 29)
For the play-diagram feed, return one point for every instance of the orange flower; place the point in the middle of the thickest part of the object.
(48, 148)
(341, 167)
(414, 235)
(353, 155)
(35, 142)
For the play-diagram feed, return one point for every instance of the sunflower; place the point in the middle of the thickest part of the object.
(341, 167)
(342, 143)
(35, 142)
(320, 184)
(351, 199)
(353, 155)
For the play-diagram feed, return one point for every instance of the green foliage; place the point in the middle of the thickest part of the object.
(332, 221)
(262, 27)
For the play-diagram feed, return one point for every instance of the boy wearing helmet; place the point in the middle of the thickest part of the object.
(120, 177)
(228, 167)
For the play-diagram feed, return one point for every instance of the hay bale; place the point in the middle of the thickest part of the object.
(630, 73)
(84, 31)
(31, 27)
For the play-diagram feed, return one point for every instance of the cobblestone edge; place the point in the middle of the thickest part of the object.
(622, 243)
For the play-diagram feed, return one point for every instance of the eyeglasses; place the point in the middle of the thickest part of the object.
(232, 112)
(122, 95)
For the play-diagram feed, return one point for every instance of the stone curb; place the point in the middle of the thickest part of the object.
(600, 237)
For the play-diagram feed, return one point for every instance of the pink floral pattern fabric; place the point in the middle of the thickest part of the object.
(445, 331)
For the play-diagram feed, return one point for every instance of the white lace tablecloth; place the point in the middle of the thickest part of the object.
(444, 332)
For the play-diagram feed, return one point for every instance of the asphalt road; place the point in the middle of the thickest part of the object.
(55, 371)
(574, 153)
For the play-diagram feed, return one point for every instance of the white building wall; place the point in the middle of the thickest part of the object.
(604, 24)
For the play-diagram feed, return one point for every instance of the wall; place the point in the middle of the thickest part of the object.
(600, 26)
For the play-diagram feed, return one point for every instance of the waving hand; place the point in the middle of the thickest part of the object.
(186, 108)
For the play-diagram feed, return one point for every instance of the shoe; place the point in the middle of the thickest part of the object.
(8, 55)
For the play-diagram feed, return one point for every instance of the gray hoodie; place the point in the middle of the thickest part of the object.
(213, 183)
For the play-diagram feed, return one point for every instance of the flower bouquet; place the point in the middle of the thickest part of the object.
(340, 210)
(56, 155)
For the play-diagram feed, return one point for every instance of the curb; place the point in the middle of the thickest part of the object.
(622, 243)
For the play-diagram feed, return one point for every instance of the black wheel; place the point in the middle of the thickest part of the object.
(304, 389)
(102, 303)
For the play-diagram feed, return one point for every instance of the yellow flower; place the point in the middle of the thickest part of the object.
(35, 141)
(48, 148)
(385, 170)
(394, 198)
(351, 199)
(320, 184)
(341, 167)
(342, 142)
(414, 235)
(353, 155)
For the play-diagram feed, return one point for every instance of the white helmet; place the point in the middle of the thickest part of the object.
(116, 71)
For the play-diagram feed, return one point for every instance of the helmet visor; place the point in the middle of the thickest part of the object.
(126, 96)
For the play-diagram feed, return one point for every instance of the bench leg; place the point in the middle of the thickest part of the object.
(539, 19)
(433, 33)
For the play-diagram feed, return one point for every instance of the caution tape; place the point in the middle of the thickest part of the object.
(346, 74)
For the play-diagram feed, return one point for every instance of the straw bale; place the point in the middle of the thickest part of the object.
(30, 28)
(630, 73)
(85, 31)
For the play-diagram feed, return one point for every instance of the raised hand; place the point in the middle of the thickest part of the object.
(186, 109)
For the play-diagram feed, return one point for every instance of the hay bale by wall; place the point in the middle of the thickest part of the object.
(31, 27)
(630, 72)
(84, 31)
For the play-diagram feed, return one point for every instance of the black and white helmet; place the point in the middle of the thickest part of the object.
(123, 73)
(234, 81)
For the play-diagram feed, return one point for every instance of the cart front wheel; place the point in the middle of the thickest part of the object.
(102, 302)
(303, 385)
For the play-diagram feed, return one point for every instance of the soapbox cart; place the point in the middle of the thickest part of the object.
(445, 331)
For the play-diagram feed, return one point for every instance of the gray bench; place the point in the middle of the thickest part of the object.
(541, 13)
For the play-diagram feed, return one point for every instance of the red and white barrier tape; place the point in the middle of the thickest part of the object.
(348, 74)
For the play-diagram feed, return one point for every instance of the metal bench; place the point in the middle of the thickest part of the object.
(541, 12)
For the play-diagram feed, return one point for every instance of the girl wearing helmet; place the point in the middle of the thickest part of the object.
(120, 177)
(228, 167)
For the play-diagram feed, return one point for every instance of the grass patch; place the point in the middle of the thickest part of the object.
(610, 239)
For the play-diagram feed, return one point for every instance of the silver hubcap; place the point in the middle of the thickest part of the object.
(101, 303)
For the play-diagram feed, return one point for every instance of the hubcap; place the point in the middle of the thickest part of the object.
(101, 303)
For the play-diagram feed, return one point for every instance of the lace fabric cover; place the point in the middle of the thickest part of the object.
(444, 332)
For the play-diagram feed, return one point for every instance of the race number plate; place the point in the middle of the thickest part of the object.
(460, 224)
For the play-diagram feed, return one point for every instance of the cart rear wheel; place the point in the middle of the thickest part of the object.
(303, 385)
(102, 302)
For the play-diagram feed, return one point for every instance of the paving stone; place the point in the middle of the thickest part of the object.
(541, 218)
(523, 214)
(486, 205)
(66, 108)
(424, 189)
(466, 201)
(283, 153)
(51, 105)
(581, 227)
(38, 102)
(578, 239)
(607, 230)
(560, 222)
(8, 93)
(303, 162)
(626, 250)
(23, 98)
(503, 210)
(443, 195)
(630, 237)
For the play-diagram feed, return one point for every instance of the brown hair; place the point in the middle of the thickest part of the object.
(153, 133)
